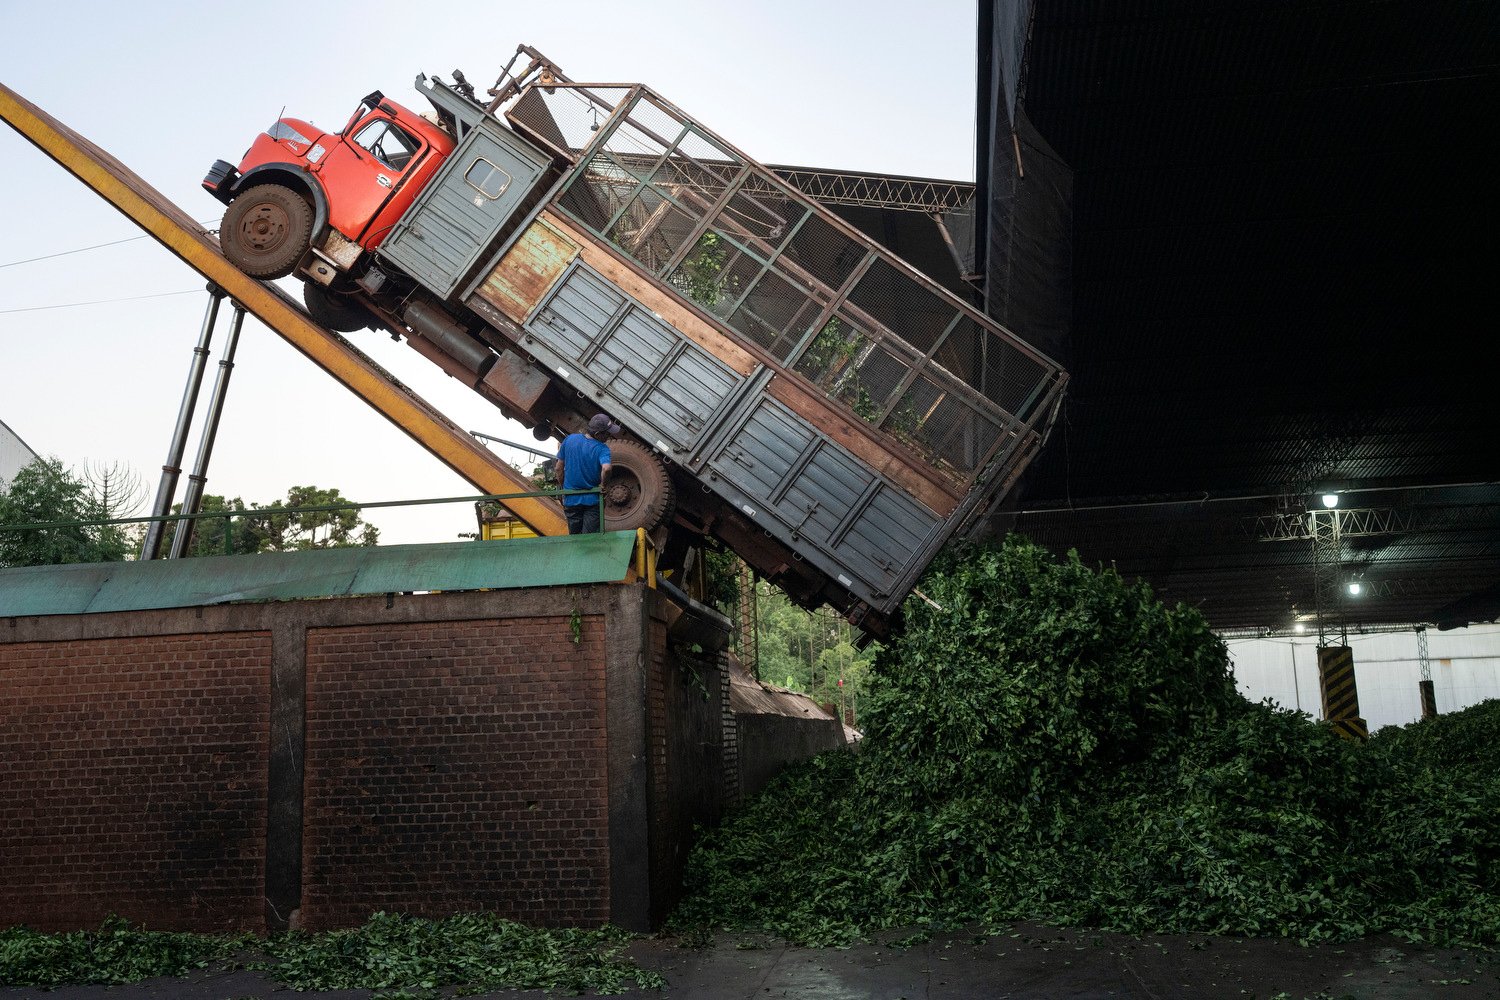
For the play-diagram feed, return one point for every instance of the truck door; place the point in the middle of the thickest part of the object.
(362, 174)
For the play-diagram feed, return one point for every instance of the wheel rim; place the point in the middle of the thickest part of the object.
(622, 495)
(264, 228)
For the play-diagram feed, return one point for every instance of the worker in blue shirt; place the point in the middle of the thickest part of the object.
(583, 464)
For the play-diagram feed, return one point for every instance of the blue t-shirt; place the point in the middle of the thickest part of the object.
(581, 457)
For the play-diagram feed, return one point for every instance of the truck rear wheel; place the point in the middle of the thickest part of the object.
(337, 312)
(638, 493)
(266, 231)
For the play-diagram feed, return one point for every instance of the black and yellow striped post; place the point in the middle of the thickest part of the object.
(1424, 663)
(1340, 696)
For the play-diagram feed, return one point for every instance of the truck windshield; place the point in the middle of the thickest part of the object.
(388, 144)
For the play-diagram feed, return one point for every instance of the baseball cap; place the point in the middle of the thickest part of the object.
(599, 423)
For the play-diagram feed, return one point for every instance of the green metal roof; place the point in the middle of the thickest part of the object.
(89, 588)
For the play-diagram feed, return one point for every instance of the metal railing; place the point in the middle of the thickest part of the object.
(267, 512)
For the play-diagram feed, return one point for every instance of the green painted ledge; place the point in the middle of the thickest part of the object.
(91, 588)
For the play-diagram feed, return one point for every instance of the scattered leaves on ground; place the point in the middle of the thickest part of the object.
(390, 955)
(115, 953)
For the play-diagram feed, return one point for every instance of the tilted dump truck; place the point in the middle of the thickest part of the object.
(786, 385)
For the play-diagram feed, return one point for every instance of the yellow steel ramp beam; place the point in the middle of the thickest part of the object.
(175, 230)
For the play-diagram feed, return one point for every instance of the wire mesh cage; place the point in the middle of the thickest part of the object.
(566, 118)
(783, 273)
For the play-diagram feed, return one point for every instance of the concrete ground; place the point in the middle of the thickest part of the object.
(1028, 962)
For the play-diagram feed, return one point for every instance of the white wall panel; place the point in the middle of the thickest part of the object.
(14, 455)
(1465, 665)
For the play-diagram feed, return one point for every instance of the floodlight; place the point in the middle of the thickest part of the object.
(1330, 500)
(1354, 587)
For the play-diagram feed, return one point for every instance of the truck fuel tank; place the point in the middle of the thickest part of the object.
(447, 343)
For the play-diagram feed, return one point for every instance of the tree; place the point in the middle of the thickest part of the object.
(46, 490)
(810, 651)
(253, 532)
(207, 539)
(115, 491)
(319, 530)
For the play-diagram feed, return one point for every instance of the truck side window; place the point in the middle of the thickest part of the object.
(486, 178)
(388, 144)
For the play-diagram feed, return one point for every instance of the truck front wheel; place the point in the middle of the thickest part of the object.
(266, 231)
(638, 493)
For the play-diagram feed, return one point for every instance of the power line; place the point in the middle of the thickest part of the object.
(99, 302)
(64, 253)
(96, 246)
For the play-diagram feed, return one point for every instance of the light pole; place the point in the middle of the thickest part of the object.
(1328, 595)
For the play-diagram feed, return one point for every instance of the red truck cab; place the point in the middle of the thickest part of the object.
(299, 188)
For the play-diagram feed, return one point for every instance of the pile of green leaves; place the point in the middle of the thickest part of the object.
(390, 954)
(1051, 743)
(115, 953)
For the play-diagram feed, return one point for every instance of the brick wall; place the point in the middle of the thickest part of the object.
(768, 743)
(688, 786)
(729, 738)
(661, 771)
(134, 780)
(456, 766)
(254, 766)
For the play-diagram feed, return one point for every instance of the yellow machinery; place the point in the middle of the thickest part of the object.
(498, 524)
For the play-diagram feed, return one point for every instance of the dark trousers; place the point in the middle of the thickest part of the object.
(583, 519)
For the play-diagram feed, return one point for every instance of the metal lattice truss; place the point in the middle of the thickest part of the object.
(1393, 588)
(1328, 586)
(1358, 522)
(1355, 522)
(907, 194)
(1424, 661)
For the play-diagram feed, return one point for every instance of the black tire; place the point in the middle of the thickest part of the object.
(638, 493)
(336, 312)
(266, 230)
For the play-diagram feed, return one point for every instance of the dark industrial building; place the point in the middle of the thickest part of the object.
(1258, 233)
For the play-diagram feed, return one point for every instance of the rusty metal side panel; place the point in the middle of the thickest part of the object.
(805, 490)
(515, 382)
(460, 216)
(912, 476)
(528, 270)
(617, 352)
(649, 293)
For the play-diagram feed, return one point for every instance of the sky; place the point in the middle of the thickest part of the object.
(168, 88)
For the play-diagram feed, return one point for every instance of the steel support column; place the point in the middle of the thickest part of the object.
(1340, 693)
(167, 488)
(192, 497)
